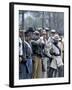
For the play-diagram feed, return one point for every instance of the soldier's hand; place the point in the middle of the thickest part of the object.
(20, 59)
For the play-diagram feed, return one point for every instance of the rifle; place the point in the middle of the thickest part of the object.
(24, 54)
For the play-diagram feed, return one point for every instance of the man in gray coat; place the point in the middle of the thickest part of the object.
(54, 51)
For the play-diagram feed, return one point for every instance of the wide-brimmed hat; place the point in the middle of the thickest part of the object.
(36, 32)
(53, 31)
(47, 29)
(22, 30)
(30, 29)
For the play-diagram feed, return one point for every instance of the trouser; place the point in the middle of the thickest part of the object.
(29, 67)
(25, 69)
(37, 67)
(44, 73)
(52, 72)
(22, 71)
(61, 71)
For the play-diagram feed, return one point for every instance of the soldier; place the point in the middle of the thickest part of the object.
(22, 58)
(26, 58)
(28, 49)
(47, 48)
(36, 47)
(43, 40)
(55, 54)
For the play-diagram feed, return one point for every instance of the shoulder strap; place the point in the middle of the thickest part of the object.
(58, 49)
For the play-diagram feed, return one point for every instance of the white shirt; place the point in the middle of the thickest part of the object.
(20, 47)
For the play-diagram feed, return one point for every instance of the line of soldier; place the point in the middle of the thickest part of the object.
(41, 54)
